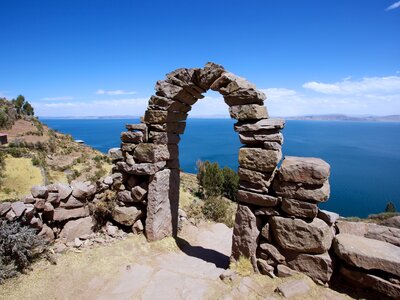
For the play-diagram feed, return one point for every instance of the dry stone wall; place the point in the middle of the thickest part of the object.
(278, 224)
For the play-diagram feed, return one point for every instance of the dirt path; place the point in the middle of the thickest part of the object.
(135, 269)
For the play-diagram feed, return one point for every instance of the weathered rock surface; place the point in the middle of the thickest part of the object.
(159, 216)
(369, 281)
(171, 127)
(259, 179)
(258, 159)
(161, 116)
(257, 199)
(4, 207)
(125, 196)
(265, 124)
(319, 267)
(260, 137)
(248, 112)
(151, 153)
(63, 214)
(245, 233)
(293, 288)
(72, 202)
(302, 191)
(115, 154)
(283, 271)
(300, 236)
(46, 233)
(367, 253)
(370, 230)
(82, 190)
(163, 138)
(207, 75)
(132, 137)
(269, 251)
(172, 91)
(138, 193)
(307, 170)
(299, 208)
(39, 191)
(142, 168)
(162, 103)
(126, 215)
(77, 228)
(18, 208)
(329, 217)
(392, 222)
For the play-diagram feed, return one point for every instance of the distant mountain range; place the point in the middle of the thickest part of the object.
(330, 117)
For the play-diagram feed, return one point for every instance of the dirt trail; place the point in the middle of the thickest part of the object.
(135, 269)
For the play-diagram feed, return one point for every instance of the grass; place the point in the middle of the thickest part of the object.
(19, 176)
(242, 266)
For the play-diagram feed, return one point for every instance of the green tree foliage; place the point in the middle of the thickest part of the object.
(231, 183)
(216, 181)
(217, 210)
(19, 103)
(3, 117)
(28, 109)
(390, 208)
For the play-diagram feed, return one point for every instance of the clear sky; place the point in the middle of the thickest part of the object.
(96, 57)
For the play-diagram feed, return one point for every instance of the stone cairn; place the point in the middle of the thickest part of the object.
(278, 224)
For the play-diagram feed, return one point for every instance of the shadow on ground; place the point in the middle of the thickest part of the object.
(209, 255)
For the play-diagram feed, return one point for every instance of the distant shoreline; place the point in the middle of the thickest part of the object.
(333, 117)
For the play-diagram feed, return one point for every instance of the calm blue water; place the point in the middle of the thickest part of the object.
(364, 157)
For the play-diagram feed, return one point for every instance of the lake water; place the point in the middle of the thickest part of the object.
(364, 156)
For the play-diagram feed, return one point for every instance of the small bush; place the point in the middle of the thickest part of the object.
(242, 266)
(231, 183)
(218, 210)
(390, 208)
(19, 246)
(102, 208)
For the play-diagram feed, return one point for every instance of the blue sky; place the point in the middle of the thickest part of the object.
(81, 57)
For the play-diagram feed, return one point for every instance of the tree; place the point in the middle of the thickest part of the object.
(28, 109)
(390, 208)
(19, 103)
(211, 178)
(231, 183)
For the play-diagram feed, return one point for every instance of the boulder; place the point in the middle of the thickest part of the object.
(258, 159)
(63, 214)
(245, 233)
(171, 91)
(229, 82)
(261, 137)
(151, 153)
(162, 116)
(370, 281)
(302, 191)
(208, 75)
(301, 236)
(252, 187)
(268, 251)
(244, 96)
(293, 288)
(272, 146)
(259, 179)
(76, 229)
(299, 208)
(64, 191)
(392, 222)
(328, 216)
(368, 254)
(126, 147)
(10, 215)
(370, 230)
(257, 199)
(27, 199)
(53, 198)
(137, 127)
(319, 267)
(30, 211)
(132, 137)
(48, 212)
(264, 124)
(4, 207)
(39, 191)
(126, 215)
(115, 154)
(264, 267)
(163, 137)
(307, 170)
(72, 202)
(47, 234)
(142, 168)
(138, 193)
(162, 212)
(18, 208)
(82, 190)
(283, 271)
(36, 223)
(248, 112)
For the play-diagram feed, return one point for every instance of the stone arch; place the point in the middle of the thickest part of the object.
(150, 149)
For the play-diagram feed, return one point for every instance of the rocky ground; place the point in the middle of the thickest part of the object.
(131, 268)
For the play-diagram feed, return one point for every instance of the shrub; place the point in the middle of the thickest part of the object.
(390, 208)
(19, 246)
(231, 183)
(218, 210)
(101, 209)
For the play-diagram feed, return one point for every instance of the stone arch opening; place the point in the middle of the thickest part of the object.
(151, 148)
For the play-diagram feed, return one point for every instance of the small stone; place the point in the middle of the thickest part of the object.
(108, 180)
(125, 196)
(77, 229)
(72, 202)
(30, 211)
(64, 191)
(138, 227)
(126, 215)
(111, 230)
(39, 191)
(115, 154)
(138, 193)
(269, 251)
(264, 267)
(47, 233)
(82, 190)
(39, 204)
(28, 199)
(265, 233)
(10, 215)
(77, 242)
(293, 288)
(4, 207)
(36, 223)
(283, 271)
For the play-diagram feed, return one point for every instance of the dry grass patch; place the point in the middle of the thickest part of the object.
(19, 176)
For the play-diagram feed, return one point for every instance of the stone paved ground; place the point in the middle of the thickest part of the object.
(134, 269)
